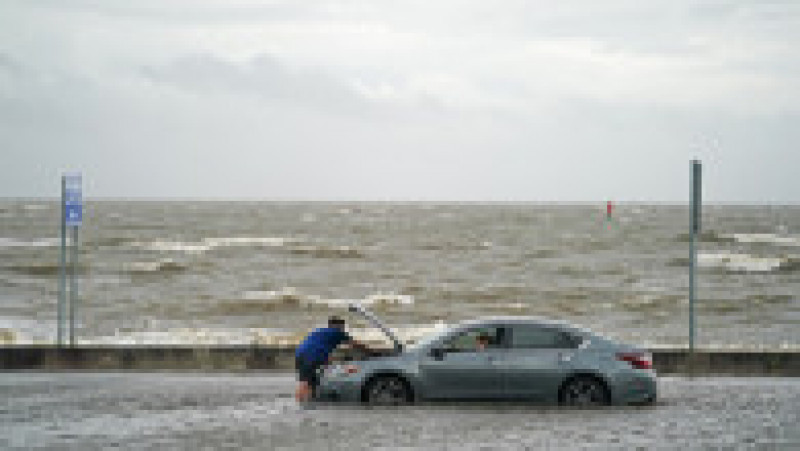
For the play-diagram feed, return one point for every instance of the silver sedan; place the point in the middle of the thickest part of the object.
(515, 358)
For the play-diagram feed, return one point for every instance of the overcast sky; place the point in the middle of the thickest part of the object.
(402, 100)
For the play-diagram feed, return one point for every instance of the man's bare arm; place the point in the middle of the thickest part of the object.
(358, 345)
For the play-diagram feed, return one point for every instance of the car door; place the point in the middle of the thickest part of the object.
(457, 368)
(537, 360)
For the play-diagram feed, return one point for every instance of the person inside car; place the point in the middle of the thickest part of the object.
(482, 342)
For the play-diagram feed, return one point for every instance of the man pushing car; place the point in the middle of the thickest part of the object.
(315, 351)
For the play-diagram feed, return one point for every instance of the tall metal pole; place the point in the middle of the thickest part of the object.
(692, 258)
(73, 289)
(694, 227)
(62, 274)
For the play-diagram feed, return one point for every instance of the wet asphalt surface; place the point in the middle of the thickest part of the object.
(257, 411)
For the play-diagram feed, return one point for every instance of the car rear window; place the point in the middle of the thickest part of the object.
(538, 337)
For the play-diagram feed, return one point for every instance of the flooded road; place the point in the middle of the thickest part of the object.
(256, 411)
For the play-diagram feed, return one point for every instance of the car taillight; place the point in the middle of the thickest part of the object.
(638, 360)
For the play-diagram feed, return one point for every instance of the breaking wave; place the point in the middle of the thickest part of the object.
(747, 263)
(166, 265)
(650, 301)
(40, 242)
(174, 246)
(292, 245)
(763, 238)
(712, 236)
(35, 207)
(290, 298)
(454, 246)
(207, 244)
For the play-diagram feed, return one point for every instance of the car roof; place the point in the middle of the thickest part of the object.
(538, 320)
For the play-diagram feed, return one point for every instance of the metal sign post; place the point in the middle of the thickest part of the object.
(71, 216)
(694, 228)
(62, 264)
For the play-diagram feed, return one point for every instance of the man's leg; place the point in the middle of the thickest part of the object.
(314, 382)
(303, 392)
(305, 376)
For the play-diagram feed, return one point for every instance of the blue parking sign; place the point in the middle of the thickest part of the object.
(73, 199)
(74, 214)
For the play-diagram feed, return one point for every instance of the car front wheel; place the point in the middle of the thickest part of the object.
(387, 391)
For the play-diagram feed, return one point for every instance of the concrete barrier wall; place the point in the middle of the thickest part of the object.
(246, 358)
(227, 358)
(734, 363)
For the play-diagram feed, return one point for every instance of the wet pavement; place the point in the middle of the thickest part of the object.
(219, 411)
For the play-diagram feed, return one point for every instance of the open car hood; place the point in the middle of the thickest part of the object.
(356, 308)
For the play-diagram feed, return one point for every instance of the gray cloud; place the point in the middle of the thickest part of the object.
(403, 100)
(262, 76)
(9, 66)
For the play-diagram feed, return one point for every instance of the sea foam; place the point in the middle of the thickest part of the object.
(764, 238)
(746, 262)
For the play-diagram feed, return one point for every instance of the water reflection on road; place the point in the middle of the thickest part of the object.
(147, 410)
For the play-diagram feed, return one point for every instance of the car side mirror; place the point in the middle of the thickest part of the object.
(437, 353)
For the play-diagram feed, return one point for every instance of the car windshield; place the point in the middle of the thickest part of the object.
(428, 338)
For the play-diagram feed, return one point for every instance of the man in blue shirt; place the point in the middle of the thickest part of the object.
(314, 351)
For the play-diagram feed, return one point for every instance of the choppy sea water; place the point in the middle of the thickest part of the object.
(183, 272)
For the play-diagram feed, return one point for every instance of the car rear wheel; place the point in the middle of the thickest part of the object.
(584, 391)
(387, 391)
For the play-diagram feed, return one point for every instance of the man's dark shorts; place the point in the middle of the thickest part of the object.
(307, 371)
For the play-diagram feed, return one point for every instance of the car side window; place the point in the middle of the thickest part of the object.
(538, 337)
(469, 340)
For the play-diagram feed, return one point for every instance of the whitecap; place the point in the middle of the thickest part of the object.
(745, 262)
(166, 265)
(290, 297)
(39, 242)
(174, 246)
(764, 238)
(35, 207)
(286, 295)
(207, 244)
(388, 299)
(246, 241)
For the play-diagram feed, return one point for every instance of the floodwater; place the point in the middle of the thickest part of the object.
(185, 272)
(256, 411)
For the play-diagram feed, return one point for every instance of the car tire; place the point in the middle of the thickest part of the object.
(584, 391)
(387, 391)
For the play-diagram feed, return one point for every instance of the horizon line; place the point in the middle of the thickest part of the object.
(396, 201)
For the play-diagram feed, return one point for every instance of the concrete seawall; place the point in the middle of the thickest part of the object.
(247, 358)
